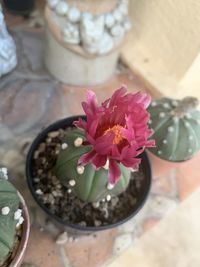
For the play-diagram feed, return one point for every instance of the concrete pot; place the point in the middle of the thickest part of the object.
(75, 69)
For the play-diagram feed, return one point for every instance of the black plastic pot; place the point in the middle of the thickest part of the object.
(19, 7)
(145, 167)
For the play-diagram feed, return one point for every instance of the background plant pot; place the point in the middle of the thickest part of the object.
(76, 69)
(160, 166)
(19, 7)
(145, 167)
(19, 255)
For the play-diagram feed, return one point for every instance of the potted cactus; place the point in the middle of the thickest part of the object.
(83, 170)
(14, 223)
(176, 125)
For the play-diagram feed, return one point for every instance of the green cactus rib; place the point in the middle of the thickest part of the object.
(90, 186)
(8, 198)
(176, 129)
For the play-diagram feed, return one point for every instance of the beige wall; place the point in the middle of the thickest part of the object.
(164, 44)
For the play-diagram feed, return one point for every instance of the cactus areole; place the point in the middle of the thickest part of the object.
(176, 125)
(10, 217)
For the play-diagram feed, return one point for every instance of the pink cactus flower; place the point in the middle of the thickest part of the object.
(117, 131)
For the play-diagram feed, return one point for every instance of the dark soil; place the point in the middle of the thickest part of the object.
(66, 205)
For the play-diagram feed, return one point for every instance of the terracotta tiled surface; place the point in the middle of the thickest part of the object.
(30, 99)
(92, 250)
(42, 250)
(188, 177)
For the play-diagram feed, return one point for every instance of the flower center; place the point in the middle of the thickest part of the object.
(117, 131)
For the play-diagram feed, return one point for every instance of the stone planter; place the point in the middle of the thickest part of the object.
(84, 39)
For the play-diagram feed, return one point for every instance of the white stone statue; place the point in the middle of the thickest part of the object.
(8, 58)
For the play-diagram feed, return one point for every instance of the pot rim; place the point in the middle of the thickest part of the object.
(55, 126)
(18, 258)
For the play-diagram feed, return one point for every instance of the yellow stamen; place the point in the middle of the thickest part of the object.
(117, 131)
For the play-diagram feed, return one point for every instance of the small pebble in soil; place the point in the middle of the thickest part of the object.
(108, 197)
(39, 192)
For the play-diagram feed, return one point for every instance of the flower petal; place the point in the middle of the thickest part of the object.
(86, 158)
(114, 172)
(99, 161)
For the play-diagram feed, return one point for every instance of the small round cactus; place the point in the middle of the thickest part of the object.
(88, 184)
(176, 125)
(10, 216)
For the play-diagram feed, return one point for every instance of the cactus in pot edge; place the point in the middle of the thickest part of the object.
(96, 159)
(10, 216)
(176, 125)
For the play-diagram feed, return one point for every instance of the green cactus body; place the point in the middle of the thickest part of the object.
(176, 125)
(91, 185)
(9, 199)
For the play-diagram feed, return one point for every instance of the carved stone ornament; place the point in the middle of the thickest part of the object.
(96, 34)
(8, 59)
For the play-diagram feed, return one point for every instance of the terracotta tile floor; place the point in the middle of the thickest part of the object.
(31, 99)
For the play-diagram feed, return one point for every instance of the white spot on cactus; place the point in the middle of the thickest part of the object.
(103, 200)
(39, 192)
(150, 121)
(166, 105)
(133, 169)
(153, 104)
(174, 103)
(17, 214)
(80, 169)
(165, 141)
(72, 182)
(159, 152)
(190, 137)
(162, 115)
(78, 141)
(110, 186)
(198, 121)
(190, 150)
(106, 166)
(188, 116)
(62, 8)
(69, 191)
(5, 172)
(5, 211)
(170, 129)
(175, 119)
(187, 124)
(108, 197)
(64, 146)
